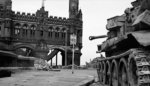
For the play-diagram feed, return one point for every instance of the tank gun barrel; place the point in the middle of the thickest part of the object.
(97, 37)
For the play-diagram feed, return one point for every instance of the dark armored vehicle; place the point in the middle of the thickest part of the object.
(127, 48)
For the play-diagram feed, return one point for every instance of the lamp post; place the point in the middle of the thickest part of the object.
(73, 59)
(66, 39)
(73, 40)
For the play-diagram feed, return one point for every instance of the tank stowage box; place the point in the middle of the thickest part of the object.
(127, 48)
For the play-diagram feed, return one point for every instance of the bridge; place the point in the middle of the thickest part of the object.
(38, 35)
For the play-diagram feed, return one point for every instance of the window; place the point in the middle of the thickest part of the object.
(63, 35)
(33, 27)
(0, 31)
(32, 32)
(17, 31)
(17, 25)
(25, 32)
(25, 26)
(41, 33)
(1, 7)
(50, 34)
(56, 34)
(50, 28)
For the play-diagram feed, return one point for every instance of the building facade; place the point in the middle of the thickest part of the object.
(40, 32)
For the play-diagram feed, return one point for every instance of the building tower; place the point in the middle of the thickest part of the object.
(6, 4)
(73, 8)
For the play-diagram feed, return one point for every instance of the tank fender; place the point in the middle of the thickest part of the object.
(142, 37)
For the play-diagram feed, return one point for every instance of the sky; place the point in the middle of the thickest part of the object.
(95, 15)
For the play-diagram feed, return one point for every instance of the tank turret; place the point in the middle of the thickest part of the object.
(132, 28)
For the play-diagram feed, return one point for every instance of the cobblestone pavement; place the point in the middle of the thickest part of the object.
(48, 78)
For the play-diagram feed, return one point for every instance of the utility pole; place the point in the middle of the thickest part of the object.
(66, 39)
(73, 59)
(73, 40)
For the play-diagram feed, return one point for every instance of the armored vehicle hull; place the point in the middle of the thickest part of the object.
(127, 48)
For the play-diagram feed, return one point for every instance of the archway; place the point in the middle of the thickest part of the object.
(56, 56)
(23, 49)
(25, 55)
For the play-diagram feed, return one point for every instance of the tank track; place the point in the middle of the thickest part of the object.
(142, 62)
(143, 66)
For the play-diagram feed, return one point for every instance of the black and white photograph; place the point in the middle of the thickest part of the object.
(74, 42)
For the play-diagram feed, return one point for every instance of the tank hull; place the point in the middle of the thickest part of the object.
(127, 48)
(127, 69)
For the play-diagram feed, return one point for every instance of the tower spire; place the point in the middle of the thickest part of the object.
(43, 3)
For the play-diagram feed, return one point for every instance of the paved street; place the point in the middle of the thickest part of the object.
(48, 78)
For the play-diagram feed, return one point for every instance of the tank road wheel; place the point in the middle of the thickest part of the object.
(104, 72)
(98, 69)
(133, 77)
(114, 74)
(107, 73)
(100, 72)
(123, 74)
(102, 65)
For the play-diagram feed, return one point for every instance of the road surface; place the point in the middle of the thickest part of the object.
(48, 78)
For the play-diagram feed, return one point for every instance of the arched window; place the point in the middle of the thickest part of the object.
(63, 29)
(17, 31)
(25, 26)
(33, 27)
(17, 28)
(50, 31)
(50, 28)
(17, 25)
(50, 34)
(25, 31)
(32, 31)
(57, 29)
(57, 32)
(63, 35)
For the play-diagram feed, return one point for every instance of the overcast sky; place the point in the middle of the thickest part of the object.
(95, 15)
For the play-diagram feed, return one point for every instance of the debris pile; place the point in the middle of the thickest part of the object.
(41, 64)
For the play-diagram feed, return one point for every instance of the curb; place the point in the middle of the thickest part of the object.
(86, 82)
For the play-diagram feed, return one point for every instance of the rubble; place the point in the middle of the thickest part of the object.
(41, 64)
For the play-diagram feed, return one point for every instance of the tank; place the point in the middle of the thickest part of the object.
(126, 48)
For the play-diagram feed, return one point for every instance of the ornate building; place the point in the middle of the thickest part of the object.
(39, 33)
